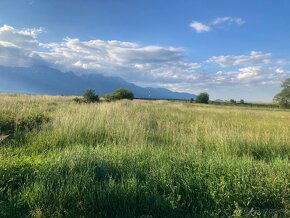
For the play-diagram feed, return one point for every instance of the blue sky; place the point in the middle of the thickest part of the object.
(231, 49)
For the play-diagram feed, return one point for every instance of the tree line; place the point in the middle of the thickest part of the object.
(90, 96)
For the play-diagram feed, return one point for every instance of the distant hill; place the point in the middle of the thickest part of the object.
(218, 100)
(45, 80)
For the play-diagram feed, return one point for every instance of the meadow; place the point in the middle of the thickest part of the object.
(140, 158)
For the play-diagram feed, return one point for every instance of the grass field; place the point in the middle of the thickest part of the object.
(141, 159)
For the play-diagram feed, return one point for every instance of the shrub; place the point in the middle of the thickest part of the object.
(242, 101)
(90, 96)
(7, 126)
(191, 100)
(119, 94)
(29, 123)
(108, 97)
(233, 101)
(12, 129)
(202, 98)
(78, 100)
(32, 122)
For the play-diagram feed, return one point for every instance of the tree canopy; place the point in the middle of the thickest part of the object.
(283, 98)
(90, 96)
(202, 98)
(119, 94)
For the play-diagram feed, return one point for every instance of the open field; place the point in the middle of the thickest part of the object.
(141, 159)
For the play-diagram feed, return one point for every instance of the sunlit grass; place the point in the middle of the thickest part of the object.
(139, 158)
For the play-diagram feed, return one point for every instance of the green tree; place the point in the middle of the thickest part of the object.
(202, 98)
(242, 101)
(283, 98)
(90, 96)
(119, 94)
(233, 101)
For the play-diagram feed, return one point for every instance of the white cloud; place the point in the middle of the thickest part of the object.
(17, 47)
(282, 62)
(279, 70)
(8, 44)
(24, 38)
(144, 65)
(228, 20)
(199, 27)
(116, 58)
(249, 73)
(255, 57)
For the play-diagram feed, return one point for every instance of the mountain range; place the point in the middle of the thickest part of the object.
(46, 80)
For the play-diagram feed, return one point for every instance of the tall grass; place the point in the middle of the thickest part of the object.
(142, 159)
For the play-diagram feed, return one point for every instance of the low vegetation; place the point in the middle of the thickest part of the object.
(142, 159)
(89, 96)
(202, 98)
(119, 94)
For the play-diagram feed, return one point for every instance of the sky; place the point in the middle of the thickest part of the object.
(231, 49)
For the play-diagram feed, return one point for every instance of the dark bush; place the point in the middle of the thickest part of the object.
(90, 96)
(108, 97)
(32, 122)
(202, 98)
(119, 94)
(7, 126)
(15, 130)
(78, 100)
(233, 101)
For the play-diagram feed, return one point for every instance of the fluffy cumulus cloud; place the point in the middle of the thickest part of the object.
(147, 65)
(199, 27)
(249, 73)
(255, 57)
(107, 53)
(279, 71)
(131, 61)
(18, 46)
